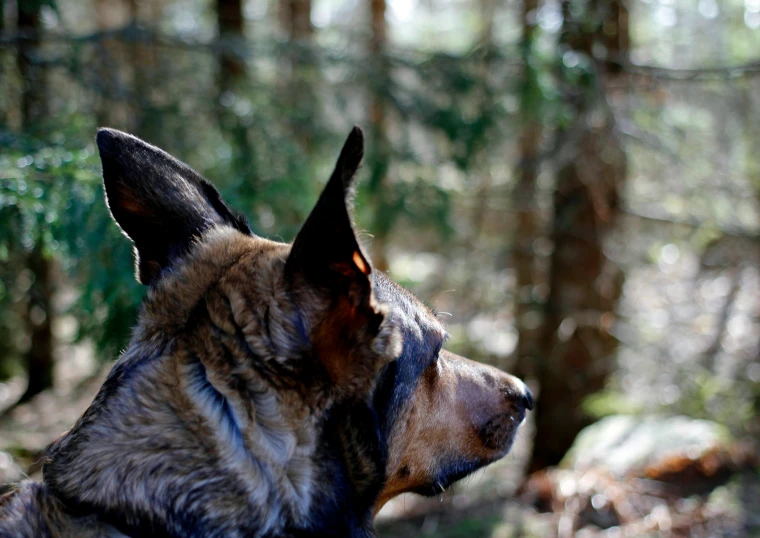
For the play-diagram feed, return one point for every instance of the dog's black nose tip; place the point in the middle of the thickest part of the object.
(528, 399)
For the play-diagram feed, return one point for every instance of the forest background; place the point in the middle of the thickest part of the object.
(574, 182)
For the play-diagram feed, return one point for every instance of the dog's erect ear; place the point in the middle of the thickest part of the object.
(354, 337)
(158, 201)
(326, 251)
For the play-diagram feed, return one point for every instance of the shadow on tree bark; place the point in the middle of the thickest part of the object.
(37, 315)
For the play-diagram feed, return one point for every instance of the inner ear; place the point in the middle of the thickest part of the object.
(160, 203)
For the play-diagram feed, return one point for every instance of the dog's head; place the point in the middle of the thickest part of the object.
(307, 338)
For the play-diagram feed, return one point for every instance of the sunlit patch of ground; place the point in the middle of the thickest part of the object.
(728, 511)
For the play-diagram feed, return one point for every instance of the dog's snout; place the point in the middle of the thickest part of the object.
(527, 399)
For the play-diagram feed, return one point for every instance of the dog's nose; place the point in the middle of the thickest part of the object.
(528, 399)
(519, 394)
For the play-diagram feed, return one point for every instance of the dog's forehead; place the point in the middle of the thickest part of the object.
(409, 311)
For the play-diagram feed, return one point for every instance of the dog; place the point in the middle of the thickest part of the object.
(269, 390)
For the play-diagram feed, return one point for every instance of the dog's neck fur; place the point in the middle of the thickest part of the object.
(191, 411)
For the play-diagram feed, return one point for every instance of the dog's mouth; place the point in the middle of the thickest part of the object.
(497, 436)
(447, 475)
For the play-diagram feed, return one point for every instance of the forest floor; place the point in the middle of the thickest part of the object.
(710, 496)
(641, 509)
(713, 493)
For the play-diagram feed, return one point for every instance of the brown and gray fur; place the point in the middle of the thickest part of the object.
(269, 390)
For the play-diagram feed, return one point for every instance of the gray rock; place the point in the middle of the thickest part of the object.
(626, 445)
(9, 471)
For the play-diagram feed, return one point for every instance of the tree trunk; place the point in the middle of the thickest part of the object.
(750, 104)
(3, 99)
(231, 79)
(229, 16)
(480, 214)
(33, 90)
(295, 17)
(528, 307)
(584, 285)
(143, 60)
(111, 111)
(39, 358)
(299, 74)
(378, 158)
